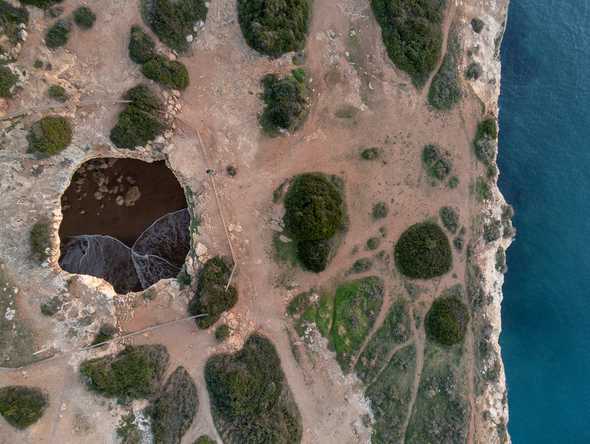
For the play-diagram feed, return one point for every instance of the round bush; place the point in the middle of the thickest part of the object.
(313, 207)
(58, 34)
(50, 135)
(141, 46)
(84, 17)
(446, 321)
(314, 254)
(423, 252)
(166, 72)
(274, 27)
(22, 406)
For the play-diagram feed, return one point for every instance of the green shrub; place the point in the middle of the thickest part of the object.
(274, 27)
(492, 231)
(445, 89)
(285, 103)
(204, 439)
(482, 190)
(84, 17)
(173, 410)
(50, 135)
(361, 265)
(423, 252)
(484, 143)
(140, 121)
(436, 162)
(141, 46)
(449, 218)
(134, 373)
(473, 71)
(477, 25)
(51, 306)
(40, 241)
(380, 210)
(314, 255)
(412, 34)
(370, 153)
(38, 64)
(58, 35)
(43, 4)
(501, 260)
(222, 332)
(128, 430)
(10, 18)
(313, 207)
(22, 406)
(211, 297)
(373, 243)
(106, 332)
(166, 72)
(250, 399)
(453, 182)
(173, 20)
(446, 321)
(57, 93)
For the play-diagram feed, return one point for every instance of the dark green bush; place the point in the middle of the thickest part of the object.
(453, 182)
(446, 321)
(204, 439)
(50, 135)
(51, 306)
(134, 373)
(58, 34)
(484, 143)
(361, 265)
(501, 260)
(211, 297)
(10, 18)
(166, 72)
(370, 153)
(373, 243)
(380, 210)
(43, 4)
(57, 93)
(492, 231)
(22, 406)
(436, 162)
(140, 121)
(313, 207)
(173, 20)
(314, 255)
(473, 71)
(449, 218)
(445, 89)
(173, 410)
(106, 332)
(423, 252)
(141, 46)
(250, 399)
(477, 24)
(84, 17)
(412, 34)
(274, 27)
(285, 101)
(482, 190)
(222, 332)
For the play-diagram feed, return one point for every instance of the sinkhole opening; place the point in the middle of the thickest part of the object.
(125, 221)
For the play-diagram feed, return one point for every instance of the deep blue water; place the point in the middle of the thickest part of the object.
(545, 174)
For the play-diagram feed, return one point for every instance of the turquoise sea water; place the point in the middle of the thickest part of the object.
(545, 173)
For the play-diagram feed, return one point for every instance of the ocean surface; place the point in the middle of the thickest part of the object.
(545, 174)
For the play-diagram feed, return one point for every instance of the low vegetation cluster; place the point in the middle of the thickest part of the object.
(437, 162)
(10, 18)
(39, 240)
(140, 121)
(446, 321)
(274, 27)
(449, 218)
(423, 252)
(285, 102)
(50, 135)
(211, 297)
(250, 399)
(58, 34)
(314, 214)
(84, 17)
(412, 34)
(42, 4)
(445, 89)
(484, 143)
(22, 406)
(57, 93)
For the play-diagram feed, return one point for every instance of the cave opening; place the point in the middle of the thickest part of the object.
(125, 221)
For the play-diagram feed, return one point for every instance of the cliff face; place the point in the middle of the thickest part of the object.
(486, 262)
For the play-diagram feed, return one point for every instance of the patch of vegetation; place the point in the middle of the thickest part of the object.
(379, 210)
(477, 25)
(166, 72)
(394, 331)
(501, 260)
(173, 410)
(40, 241)
(473, 71)
(446, 321)
(390, 397)
(8, 81)
(437, 162)
(58, 34)
(43, 4)
(50, 135)
(373, 243)
(211, 297)
(458, 242)
(106, 332)
(449, 218)
(141, 46)
(412, 34)
(250, 399)
(128, 430)
(347, 112)
(441, 410)
(274, 27)
(370, 153)
(222, 332)
(445, 89)
(173, 20)
(361, 265)
(507, 215)
(423, 252)
(356, 306)
(309, 308)
(492, 231)
(140, 121)
(314, 213)
(10, 19)
(204, 439)
(57, 93)
(453, 182)
(38, 64)
(51, 306)
(22, 406)
(84, 17)
(134, 373)
(484, 143)
(285, 102)
(482, 189)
